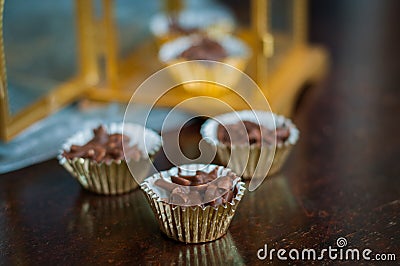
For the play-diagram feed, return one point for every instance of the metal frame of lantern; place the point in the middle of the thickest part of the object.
(303, 63)
(116, 81)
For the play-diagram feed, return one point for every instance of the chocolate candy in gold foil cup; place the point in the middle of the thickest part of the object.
(187, 222)
(246, 159)
(111, 177)
(205, 75)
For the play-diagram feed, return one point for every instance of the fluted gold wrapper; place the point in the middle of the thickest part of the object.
(241, 163)
(111, 178)
(211, 73)
(245, 158)
(107, 179)
(193, 224)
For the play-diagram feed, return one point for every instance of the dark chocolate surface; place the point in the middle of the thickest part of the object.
(248, 133)
(202, 189)
(342, 179)
(104, 147)
(205, 49)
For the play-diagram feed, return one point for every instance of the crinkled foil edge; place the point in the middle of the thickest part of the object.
(193, 224)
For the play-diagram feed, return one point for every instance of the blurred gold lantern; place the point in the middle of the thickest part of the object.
(55, 52)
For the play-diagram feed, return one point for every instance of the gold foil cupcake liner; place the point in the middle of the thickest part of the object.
(208, 72)
(241, 163)
(281, 154)
(245, 159)
(109, 178)
(192, 224)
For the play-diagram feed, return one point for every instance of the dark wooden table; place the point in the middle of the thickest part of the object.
(342, 179)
